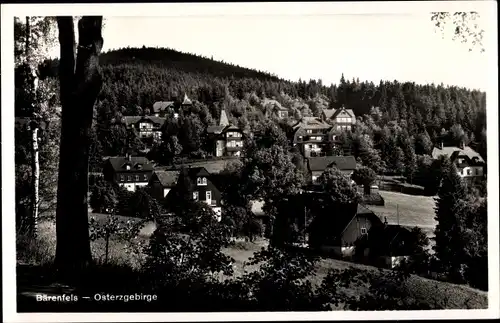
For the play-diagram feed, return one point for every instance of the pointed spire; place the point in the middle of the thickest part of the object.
(223, 121)
(186, 100)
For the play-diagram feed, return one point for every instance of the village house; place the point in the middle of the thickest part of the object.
(273, 109)
(148, 128)
(388, 245)
(203, 188)
(130, 172)
(227, 139)
(313, 137)
(317, 165)
(342, 119)
(470, 165)
(336, 233)
(163, 108)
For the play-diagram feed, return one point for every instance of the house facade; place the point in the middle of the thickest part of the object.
(226, 139)
(341, 119)
(148, 128)
(129, 172)
(317, 166)
(204, 189)
(273, 109)
(339, 233)
(313, 137)
(470, 165)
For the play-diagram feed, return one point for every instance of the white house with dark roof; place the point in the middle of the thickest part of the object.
(311, 135)
(342, 119)
(227, 139)
(317, 165)
(469, 163)
(162, 108)
(130, 172)
(148, 128)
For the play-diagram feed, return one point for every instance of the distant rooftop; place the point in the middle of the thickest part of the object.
(448, 151)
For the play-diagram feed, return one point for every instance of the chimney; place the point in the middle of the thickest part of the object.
(441, 144)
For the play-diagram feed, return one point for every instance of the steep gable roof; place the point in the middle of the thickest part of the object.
(328, 113)
(215, 129)
(167, 178)
(340, 162)
(162, 105)
(119, 163)
(448, 151)
(186, 100)
(311, 123)
(223, 120)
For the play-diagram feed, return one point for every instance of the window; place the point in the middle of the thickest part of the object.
(195, 196)
(145, 177)
(122, 178)
(339, 127)
(136, 178)
(201, 181)
(127, 167)
(129, 178)
(309, 131)
(468, 171)
(348, 120)
(363, 231)
(477, 171)
(208, 195)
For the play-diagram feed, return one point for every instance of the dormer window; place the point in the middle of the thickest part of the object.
(127, 167)
(139, 166)
(201, 181)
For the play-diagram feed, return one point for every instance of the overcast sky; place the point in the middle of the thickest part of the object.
(369, 41)
(371, 47)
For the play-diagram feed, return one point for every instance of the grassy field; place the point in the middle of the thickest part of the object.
(413, 210)
(436, 294)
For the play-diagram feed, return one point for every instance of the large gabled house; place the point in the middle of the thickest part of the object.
(163, 108)
(341, 119)
(312, 136)
(130, 172)
(226, 139)
(317, 165)
(203, 189)
(470, 165)
(148, 128)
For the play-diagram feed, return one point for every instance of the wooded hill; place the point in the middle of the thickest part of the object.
(137, 77)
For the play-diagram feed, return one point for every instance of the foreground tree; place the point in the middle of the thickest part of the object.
(364, 176)
(31, 42)
(80, 83)
(464, 27)
(452, 208)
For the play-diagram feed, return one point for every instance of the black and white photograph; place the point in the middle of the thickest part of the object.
(238, 161)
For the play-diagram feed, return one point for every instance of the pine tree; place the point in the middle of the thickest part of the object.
(452, 207)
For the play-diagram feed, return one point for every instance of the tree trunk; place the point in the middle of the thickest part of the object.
(32, 84)
(80, 82)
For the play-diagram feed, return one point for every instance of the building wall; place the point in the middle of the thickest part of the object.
(220, 148)
(132, 187)
(354, 229)
(471, 171)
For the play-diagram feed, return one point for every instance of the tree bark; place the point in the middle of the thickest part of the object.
(32, 84)
(80, 82)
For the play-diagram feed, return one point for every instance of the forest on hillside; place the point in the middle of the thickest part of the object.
(135, 78)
